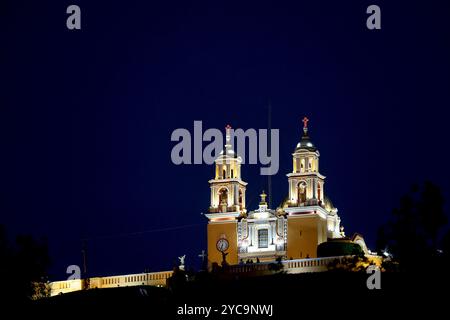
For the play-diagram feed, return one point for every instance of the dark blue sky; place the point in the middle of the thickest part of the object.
(86, 116)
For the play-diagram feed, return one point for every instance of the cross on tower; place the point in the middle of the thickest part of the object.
(228, 127)
(305, 122)
(203, 255)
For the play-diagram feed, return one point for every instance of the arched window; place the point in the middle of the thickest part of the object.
(319, 196)
(301, 189)
(223, 197)
(240, 198)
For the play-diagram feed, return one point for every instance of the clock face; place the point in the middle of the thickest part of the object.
(222, 245)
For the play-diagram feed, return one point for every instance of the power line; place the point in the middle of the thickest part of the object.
(142, 232)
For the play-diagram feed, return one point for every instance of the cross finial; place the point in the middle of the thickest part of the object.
(305, 122)
(228, 136)
(305, 125)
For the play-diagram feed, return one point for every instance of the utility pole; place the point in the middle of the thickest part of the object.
(84, 253)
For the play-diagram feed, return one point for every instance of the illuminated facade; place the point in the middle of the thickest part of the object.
(291, 233)
(305, 219)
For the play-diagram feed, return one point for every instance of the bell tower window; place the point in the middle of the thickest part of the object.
(318, 192)
(223, 199)
(301, 189)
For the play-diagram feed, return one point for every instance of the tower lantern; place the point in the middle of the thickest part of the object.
(305, 181)
(263, 196)
(227, 188)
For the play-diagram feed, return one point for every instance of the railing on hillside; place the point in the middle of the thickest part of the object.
(139, 279)
(160, 278)
(289, 266)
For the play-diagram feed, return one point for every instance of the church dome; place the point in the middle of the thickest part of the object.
(305, 143)
(228, 154)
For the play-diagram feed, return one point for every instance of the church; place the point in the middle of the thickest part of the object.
(304, 233)
(294, 230)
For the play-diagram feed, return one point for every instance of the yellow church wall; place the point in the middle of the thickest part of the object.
(215, 232)
(304, 234)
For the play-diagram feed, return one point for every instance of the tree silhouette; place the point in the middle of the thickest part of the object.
(431, 212)
(23, 266)
(412, 235)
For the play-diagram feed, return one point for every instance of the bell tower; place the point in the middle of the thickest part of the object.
(308, 220)
(227, 204)
(227, 187)
(305, 182)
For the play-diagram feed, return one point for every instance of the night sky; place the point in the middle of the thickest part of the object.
(86, 116)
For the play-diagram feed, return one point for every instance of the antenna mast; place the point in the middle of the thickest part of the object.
(269, 151)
